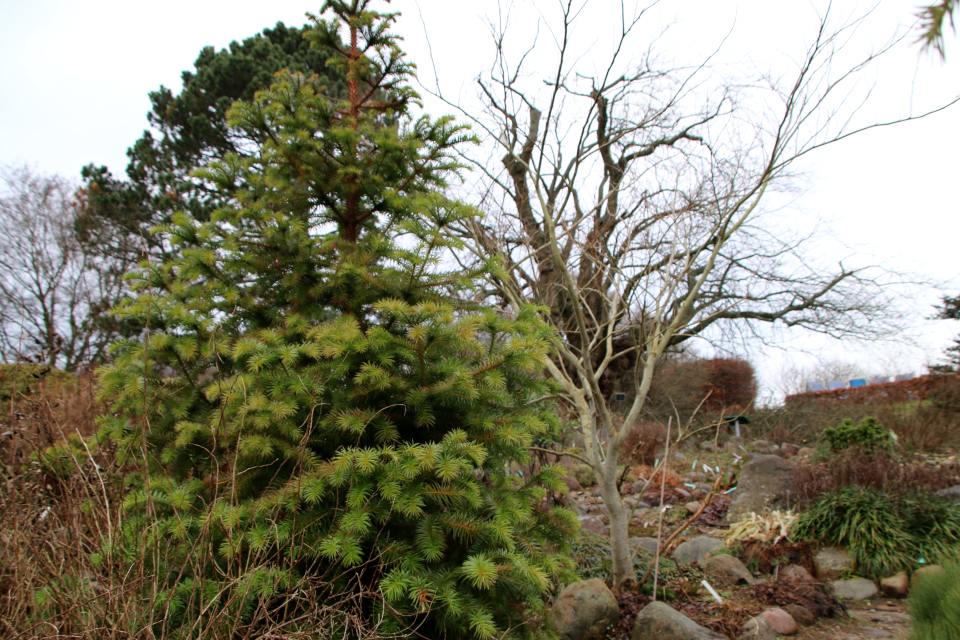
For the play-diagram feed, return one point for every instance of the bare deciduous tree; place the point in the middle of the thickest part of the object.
(53, 293)
(628, 202)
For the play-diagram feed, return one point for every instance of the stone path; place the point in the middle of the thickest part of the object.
(881, 619)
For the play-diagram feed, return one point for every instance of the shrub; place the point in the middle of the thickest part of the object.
(655, 475)
(731, 382)
(642, 445)
(935, 604)
(924, 416)
(584, 475)
(868, 435)
(877, 470)
(687, 386)
(884, 533)
(923, 426)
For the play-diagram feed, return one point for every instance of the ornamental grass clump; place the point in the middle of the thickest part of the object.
(935, 604)
(883, 532)
(312, 405)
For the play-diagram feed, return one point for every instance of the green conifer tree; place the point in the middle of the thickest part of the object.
(310, 401)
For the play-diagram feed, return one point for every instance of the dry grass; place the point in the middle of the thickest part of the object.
(643, 443)
(60, 510)
(646, 472)
(929, 425)
(877, 470)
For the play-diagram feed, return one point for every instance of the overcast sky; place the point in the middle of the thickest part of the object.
(75, 77)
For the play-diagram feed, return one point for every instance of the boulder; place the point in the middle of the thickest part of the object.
(806, 452)
(952, 492)
(789, 450)
(727, 570)
(831, 564)
(795, 572)
(801, 615)
(757, 628)
(645, 543)
(760, 444)
(854, 589)
(692, 507)
(896, 586)
(766, 483)
(696, 550)
(733, 445)
(926, 571)
(674, 455)
(641, 515)
(584, 611)
(660, 621)
(780, 621)
(594, 524)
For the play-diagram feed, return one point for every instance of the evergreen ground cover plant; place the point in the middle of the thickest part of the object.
(868, 435)
(311, 407)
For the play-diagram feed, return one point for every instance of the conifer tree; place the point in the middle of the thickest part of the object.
(187, 130)
(311, 400)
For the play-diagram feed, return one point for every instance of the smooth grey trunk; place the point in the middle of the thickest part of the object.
(619, 516)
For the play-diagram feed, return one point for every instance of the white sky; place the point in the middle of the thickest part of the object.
(76, 75)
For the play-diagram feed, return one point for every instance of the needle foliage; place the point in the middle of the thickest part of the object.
(311, 400)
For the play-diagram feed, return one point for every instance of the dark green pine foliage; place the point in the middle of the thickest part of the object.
(189, 130)
(950, 311)
(310, 400)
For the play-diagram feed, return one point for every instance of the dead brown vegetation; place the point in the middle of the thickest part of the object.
(646, 472)
(811, 595)
(924, 412)
(643, 443)
(880, 470)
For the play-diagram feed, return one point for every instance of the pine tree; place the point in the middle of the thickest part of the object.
(187, 130)
(311, 401)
